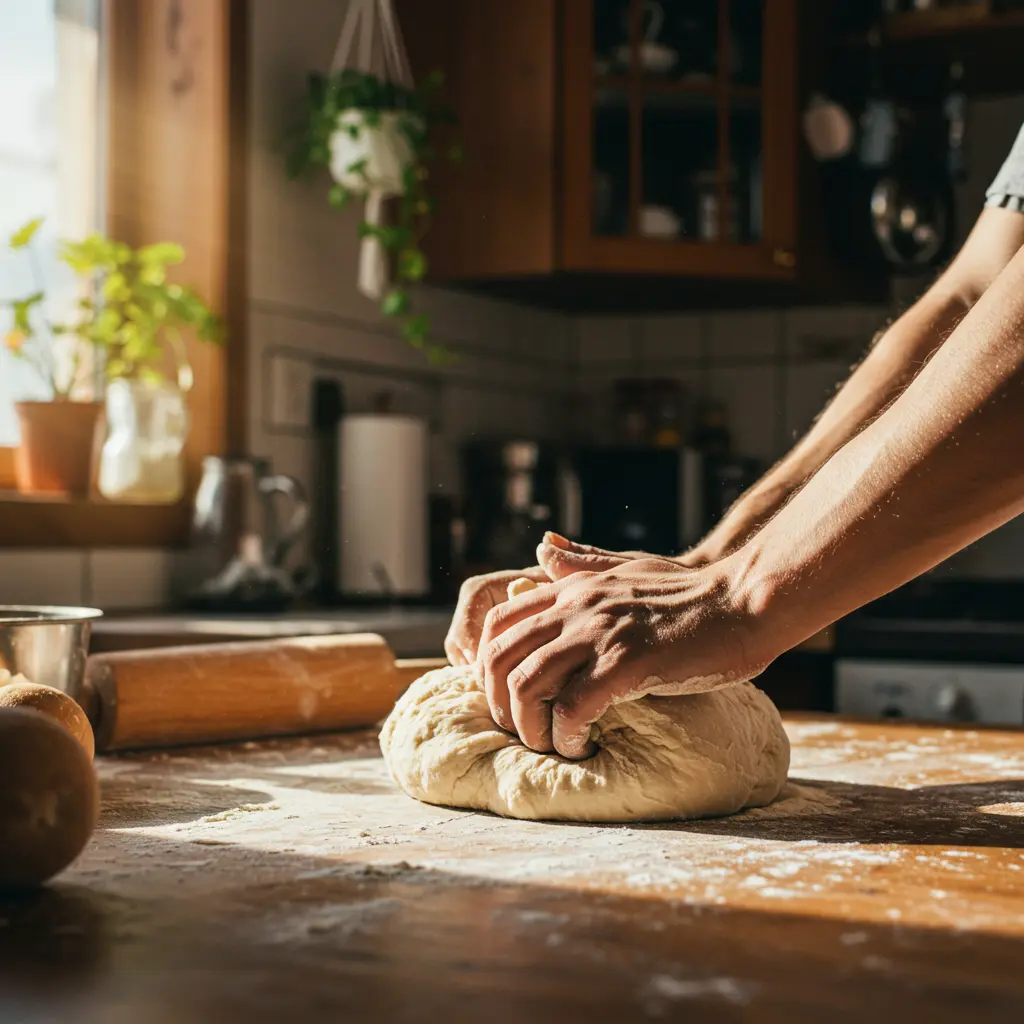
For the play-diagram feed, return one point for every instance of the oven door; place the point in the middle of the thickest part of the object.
(930, 692)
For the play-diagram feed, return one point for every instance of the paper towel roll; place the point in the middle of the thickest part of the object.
(383, 508)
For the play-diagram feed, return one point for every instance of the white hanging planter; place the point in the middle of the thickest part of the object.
(370, 160)
(383, 145)
(381, 152)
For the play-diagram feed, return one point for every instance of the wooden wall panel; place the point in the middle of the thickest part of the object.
(176, 156)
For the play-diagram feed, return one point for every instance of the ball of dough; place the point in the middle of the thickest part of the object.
(696, 756)
(49, 798)
(54, 703)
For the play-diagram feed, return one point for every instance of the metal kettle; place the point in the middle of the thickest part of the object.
(240, 543)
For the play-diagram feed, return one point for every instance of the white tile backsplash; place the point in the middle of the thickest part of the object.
(745, 335)
(808, 388)
(751, 397)
(302, 253)
(671, 339)
(833, 332)
(133, 580)
(605, 339)
(43, 577)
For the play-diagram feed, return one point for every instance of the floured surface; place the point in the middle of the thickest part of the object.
(292, 880)
(865, 801)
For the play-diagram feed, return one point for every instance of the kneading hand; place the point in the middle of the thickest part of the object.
(477, 596)
(555, 658)
(560, 557)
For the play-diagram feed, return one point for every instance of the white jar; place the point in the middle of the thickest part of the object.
(142, 458)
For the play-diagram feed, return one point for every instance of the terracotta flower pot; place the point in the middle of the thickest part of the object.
(57, 452)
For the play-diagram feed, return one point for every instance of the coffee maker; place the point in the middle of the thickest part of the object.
(512, 491)
(639, 498)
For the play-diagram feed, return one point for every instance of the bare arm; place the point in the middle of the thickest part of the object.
(880, 378)
(886, 371)
(940, 467)
(889, 367)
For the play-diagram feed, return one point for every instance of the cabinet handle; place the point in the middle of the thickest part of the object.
(783, 258)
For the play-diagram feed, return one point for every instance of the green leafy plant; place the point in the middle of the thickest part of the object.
(328, 98)
(129, 313)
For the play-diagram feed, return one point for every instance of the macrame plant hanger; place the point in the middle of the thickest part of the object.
(379, 51)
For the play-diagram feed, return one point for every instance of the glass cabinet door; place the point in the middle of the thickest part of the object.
(677, 102)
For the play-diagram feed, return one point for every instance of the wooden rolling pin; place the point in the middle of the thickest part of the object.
(215, 693)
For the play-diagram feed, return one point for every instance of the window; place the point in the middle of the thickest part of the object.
(127, 116)
(49, 158)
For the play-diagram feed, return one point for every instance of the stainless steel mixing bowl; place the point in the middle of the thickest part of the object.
(47, 645)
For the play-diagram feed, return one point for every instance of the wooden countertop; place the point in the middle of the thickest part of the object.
(290, 881)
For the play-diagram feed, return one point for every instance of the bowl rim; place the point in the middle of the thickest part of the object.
(46, 614)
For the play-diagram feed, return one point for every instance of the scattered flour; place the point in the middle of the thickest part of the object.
(341, 920)
(663, 989)
(240, 812)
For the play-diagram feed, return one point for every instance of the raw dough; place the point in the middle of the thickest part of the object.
(695, 756)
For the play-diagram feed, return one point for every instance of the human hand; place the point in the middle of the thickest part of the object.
(555, 658)
(477, 596)
(560, 557)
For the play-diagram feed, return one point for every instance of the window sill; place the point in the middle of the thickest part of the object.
(35, 521)
(44, 521)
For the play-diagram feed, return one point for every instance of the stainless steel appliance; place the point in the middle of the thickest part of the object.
(240, 543)
(930, 691)
(949, 650)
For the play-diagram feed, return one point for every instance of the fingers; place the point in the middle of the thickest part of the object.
(560, 543)
(453, 650)
(477, 596)
(503, 616)
(579, 705)
(536, 681)
(504, 653)
(559, 563)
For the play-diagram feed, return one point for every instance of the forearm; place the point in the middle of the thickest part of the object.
(939, 468)
(890, 366)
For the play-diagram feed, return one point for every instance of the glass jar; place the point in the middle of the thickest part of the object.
(142, 459)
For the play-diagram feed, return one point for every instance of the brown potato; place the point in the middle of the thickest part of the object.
(49, 798)
(54, 703)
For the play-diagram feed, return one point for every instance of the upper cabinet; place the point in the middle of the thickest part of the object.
(636, 139)
(677, 118)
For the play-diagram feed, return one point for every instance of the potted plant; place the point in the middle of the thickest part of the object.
(373, 137)
(56, 450)
(131, 316)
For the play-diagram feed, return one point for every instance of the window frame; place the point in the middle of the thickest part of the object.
(176, 110)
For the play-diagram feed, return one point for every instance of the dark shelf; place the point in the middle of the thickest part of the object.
(626, 293)
(941, 24)
(921, 46)
(612, 92)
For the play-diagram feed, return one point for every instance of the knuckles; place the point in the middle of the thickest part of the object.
(493, 619)
(520, 683)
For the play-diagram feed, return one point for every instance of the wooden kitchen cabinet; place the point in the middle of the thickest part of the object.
(614, 139)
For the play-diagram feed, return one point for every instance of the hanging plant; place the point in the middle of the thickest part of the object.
(373, 137)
